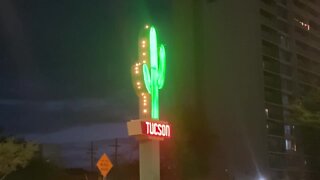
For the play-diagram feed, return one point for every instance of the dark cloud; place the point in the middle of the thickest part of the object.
(26, 116)
(64, 63)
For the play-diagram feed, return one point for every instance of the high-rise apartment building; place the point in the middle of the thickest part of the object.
(250, 60)
(290, 53)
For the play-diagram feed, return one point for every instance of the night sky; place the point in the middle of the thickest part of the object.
(67, 63)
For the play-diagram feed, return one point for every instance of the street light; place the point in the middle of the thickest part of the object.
(262, 178)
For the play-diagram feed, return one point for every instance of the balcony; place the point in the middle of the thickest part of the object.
(271, 7)
(306, 51)
(306, 36)
(274, 38)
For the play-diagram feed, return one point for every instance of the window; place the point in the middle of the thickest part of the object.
(286, 70)
(285, 100)
(286, 84)
(272, 80)
(304, 24)
(284, 56)
(282, 12)
(270, 34)
(311, 51)
(284, 41)
(277, 161)
(286, 114)
(275, 128)
(270, 49)
(273, 96)
(287, 130)
(275, 112)
(271, 65)
(294, 161)
(266, 110)
(276, 144)
(290, 145)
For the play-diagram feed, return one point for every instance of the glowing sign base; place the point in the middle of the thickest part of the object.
(149, 130)
(149, 133)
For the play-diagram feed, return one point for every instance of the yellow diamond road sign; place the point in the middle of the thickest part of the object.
(104, 165)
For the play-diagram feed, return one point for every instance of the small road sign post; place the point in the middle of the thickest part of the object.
(104, 165)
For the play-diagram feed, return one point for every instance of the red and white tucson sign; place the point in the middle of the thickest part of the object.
(156, 128)
(147, 128)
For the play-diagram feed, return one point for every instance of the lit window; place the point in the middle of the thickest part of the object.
(288, 145)
(266, 110)
(303, 24)
(287, 130)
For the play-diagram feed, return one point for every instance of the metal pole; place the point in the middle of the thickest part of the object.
(149, 153)
(116, 152)
(91, 155)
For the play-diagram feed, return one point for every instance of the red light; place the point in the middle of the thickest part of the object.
(156, 128)
(149, 129)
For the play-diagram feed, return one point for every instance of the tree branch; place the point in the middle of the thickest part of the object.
(4, 176)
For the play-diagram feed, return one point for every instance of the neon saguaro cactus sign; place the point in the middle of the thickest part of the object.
(148, 75)
(154, 78)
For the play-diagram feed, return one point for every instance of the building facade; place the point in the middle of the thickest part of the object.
(250, 60)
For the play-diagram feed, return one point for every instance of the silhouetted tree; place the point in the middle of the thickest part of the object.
(14, 154)
(306, 110)
(306, 113)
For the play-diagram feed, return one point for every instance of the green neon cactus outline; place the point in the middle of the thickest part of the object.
(154, 81)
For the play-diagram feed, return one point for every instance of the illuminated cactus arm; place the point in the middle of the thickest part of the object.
(154, 78)
(161, 71)
(146, 78)
(162, 67)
